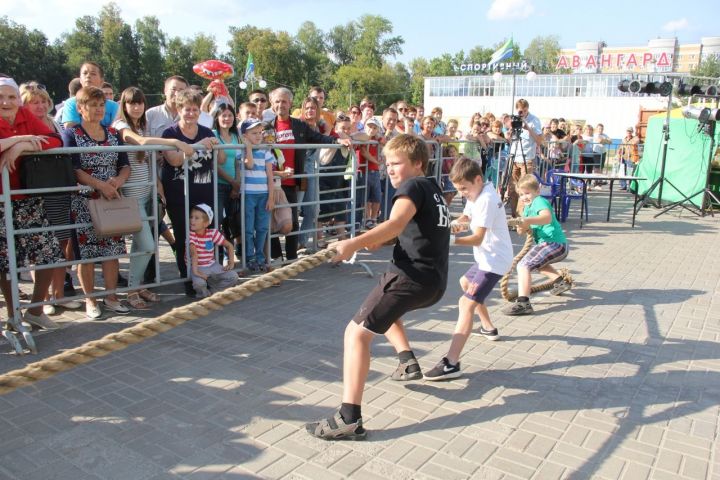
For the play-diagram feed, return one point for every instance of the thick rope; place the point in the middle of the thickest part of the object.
(511, 295)
(149, 328)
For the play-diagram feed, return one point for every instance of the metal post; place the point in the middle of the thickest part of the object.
(153, 160)
(12, 259)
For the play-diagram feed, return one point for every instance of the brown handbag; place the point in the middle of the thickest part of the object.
(112, 218)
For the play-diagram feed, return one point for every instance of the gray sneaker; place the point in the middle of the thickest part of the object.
(42, 321)
(518, 308)
(560, 287)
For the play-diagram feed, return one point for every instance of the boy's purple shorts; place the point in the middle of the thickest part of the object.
(481, 283)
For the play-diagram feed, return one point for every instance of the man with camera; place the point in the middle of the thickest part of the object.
(523, 131)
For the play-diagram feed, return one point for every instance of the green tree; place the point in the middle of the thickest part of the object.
(479, 55)
(341, 40)
(151, 42)
(384, 85)
(26, 55)
(119, 51)
(317, 68)
(543, 53)
(373, 42)
(708, 67)
(84, 43)
(178, 59)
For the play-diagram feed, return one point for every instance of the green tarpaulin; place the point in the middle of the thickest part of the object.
(687, 159)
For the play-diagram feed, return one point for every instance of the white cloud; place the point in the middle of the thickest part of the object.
(510, 9)
(675, 25)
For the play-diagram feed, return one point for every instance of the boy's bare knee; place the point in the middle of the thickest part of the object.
(357, 333)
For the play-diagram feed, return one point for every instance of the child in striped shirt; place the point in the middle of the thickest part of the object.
(207, 275)
(258, 189)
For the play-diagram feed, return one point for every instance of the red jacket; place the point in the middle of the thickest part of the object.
(26, 124)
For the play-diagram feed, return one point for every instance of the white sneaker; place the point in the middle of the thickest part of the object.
(49, 309)
(116, 306)
(42, 321)
(93, 311)
(70, 304)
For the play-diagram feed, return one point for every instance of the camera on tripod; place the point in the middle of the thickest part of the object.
(516, 124)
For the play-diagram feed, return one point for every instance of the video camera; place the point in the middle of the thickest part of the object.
(516, 124)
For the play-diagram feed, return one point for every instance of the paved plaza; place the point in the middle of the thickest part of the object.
(618, 378)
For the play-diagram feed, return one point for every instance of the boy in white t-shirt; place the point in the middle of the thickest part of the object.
(484, 217)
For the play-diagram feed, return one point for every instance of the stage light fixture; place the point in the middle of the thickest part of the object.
(710, 90)
(700, 114)
(641, 86)
(685, 89)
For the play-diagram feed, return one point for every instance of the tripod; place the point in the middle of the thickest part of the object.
(707, 195)
(506, 175)
(661, 180)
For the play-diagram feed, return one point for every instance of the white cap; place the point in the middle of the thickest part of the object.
(205, 208)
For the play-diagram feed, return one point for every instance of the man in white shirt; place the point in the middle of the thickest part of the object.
(522, 152)
(163, 116)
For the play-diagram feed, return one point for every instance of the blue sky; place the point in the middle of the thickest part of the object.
(428, 28)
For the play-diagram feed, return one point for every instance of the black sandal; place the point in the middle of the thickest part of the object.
(335, 428)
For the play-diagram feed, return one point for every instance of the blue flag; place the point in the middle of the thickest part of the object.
(503, 53)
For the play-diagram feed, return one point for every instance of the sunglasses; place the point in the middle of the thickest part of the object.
(402, 109)
(258, 100)
(342, 118)
(355, 112)
(37, 86)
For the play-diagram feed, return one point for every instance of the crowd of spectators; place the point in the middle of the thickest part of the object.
(193, 124)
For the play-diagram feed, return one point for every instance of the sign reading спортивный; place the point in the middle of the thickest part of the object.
(488, 68)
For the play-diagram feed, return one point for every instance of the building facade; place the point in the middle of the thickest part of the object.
(584, 89)
(660, 55)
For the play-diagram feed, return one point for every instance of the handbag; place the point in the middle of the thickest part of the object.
(112, 218)
(47, 171)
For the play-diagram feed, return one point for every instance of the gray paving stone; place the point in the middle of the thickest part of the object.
(618, 378)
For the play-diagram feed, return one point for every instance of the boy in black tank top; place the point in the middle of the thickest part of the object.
(417, 278)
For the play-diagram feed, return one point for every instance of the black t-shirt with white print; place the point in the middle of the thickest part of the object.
(421, 252)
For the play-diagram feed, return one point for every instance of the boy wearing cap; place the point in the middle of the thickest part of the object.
(257, 188)
(207, 275)
(369, 155)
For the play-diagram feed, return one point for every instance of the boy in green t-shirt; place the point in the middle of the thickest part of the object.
(550, 245)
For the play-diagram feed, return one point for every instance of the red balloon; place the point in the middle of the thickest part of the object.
(214, 69)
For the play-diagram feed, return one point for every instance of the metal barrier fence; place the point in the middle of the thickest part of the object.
(11, 232)
(353, 196)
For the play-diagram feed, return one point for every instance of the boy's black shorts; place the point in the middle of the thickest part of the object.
(394, 296)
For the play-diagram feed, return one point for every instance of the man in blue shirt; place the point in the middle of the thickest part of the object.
(91, 75)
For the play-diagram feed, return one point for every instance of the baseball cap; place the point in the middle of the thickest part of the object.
(205, 208)
(248, 124)
(372, 121)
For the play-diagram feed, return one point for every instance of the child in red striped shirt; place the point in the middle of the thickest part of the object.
(207, 275)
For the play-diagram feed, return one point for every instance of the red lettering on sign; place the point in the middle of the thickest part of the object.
(647, 57)
(632, 61)
(562, 62)
(591, 62)
(620, 60)
(606, 60)
(663, 60)
(576, 61)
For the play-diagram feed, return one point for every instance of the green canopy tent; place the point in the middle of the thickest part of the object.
(687, 158)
